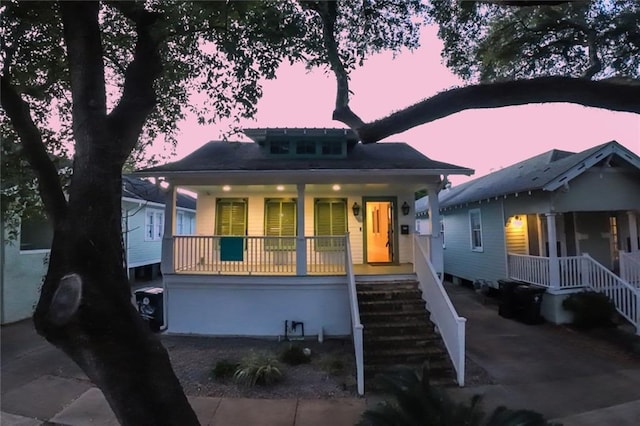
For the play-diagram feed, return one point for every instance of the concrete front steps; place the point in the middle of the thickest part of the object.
(397, 330)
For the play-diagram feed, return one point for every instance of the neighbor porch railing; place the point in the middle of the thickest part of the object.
(630, 267)
(579, 272)
(256, 255)
(357, 329)
(449, 324)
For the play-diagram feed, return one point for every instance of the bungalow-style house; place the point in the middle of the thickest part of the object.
(586, 204)
(289, 199)
(24, 259)
(283, 225)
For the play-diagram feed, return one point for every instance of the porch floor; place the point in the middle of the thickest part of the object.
(358, 269)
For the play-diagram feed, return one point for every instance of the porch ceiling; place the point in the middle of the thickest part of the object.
(347, 188)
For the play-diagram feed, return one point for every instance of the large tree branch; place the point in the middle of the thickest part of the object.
(34, 150)
(327, 10)
(613, 94)
(138, 97)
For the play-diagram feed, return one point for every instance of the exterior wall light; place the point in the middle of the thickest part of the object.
(356, 209)
(406, 208)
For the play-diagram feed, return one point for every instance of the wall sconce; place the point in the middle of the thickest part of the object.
(405, 208)
(356, 209)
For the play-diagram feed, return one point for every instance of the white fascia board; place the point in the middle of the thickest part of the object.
(589, 162)
(301, 176)
(140, 201)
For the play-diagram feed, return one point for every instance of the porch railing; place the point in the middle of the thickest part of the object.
(357, 329)
(630, 267)
(450, 325)
(579, 272)
(256, 255)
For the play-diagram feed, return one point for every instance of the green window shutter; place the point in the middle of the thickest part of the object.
(330, 220)
(280, 221)
(231, 217)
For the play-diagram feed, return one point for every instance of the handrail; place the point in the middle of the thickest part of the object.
(625, 297)
(630, 267)
(357, 327)
(450, 325)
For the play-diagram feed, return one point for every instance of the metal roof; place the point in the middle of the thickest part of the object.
(547, 171)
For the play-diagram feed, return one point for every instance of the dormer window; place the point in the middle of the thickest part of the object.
(279, 147)
(307, 148)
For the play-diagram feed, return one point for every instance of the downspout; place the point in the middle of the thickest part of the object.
(2, 242)
(504, 241)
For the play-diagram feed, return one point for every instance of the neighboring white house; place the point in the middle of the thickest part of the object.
(276, 219)
(587, 204)
(24, 259)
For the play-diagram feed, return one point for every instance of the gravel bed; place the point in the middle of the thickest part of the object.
(194, 357)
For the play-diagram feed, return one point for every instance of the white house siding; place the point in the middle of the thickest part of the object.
(206, 211)
(593, 236)
(140, 251)
(21, 281)
(459, 260)
(516, 235)
(256, 306)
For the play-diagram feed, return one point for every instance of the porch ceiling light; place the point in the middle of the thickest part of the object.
(406, 208)
(336, 187)
(280, 187)
(356, 209)
(226, 188)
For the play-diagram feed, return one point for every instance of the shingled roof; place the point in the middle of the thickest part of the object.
(547, 171)
(221, 156)
(143, 190)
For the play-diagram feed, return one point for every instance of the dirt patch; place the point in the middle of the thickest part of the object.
(330, 374)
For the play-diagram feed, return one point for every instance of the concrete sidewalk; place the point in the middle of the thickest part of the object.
(91, 408)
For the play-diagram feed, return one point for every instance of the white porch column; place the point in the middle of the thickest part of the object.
(435, 246)
(552, 238)
(166, 266)
(301, 243)
(633, 230)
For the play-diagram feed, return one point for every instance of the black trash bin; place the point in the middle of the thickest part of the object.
(507, 307)
(529, 301)
(150, 306)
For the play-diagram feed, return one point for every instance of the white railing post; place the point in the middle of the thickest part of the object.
(301, 244)
(166, 260)
(554, 267)
(585, 274)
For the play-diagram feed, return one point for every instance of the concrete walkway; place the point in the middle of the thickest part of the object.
(562, 374)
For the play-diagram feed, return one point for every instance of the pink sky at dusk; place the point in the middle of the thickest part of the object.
(483, 140)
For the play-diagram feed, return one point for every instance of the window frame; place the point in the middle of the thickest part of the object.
(332, 244)
(472, 231)
(218, 226)
(156, 225)
(277, 243)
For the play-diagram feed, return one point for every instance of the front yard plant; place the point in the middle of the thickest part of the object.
(258, 369)
(590, 309)
(294, 355)
(224, 369)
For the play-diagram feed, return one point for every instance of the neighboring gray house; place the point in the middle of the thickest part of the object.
(24, 260)
(587, 204)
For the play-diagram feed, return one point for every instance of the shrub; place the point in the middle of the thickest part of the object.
(333, 364)
(590, 309)
(294, 355)
(258, 369)
(224, 369)
(413, 401)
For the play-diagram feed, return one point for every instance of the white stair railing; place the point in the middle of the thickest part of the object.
(630, 267)
(357, 329)
(624, 296)
(449, 324)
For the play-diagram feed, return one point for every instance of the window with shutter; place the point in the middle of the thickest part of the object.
(231, 217)
(280, 221)
(330, 220)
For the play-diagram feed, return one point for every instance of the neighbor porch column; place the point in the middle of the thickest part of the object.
(166, 265)
(301, 243)
(552, 238)
(435, 249)
(633, 230)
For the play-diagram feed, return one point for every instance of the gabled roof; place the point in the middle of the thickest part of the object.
(247, 156)
(143, 190)
(548, 172)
